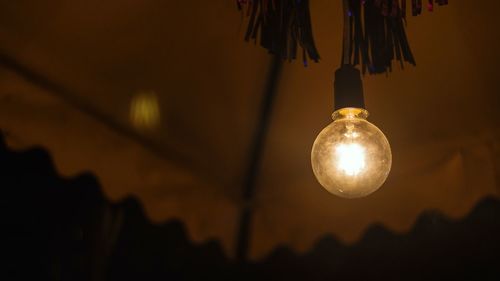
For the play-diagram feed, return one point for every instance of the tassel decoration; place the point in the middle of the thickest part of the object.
(282, 26)
(378, 35)
(376, 38)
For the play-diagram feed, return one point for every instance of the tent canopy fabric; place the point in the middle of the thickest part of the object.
(159, 99)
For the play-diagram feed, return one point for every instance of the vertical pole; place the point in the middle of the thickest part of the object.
(255, 156)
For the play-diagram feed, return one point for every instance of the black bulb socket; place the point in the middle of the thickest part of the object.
(348, 88)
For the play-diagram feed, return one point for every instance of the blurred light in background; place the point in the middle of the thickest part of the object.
(145, 111)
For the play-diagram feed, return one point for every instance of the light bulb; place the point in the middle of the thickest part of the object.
(351, 157)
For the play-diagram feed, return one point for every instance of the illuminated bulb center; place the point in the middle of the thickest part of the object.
(351, 158)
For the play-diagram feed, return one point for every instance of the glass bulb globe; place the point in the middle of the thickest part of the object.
(351, 157)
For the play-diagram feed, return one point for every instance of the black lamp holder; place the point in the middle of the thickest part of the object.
(348, 88)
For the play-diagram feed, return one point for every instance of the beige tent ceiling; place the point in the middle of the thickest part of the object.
(441, 117)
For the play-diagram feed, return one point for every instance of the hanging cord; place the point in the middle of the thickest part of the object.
(347, 86)
(346, 38)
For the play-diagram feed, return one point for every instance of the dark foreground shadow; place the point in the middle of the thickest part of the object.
(64, 229)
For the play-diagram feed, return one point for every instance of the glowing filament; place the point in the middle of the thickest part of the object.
(351, 158)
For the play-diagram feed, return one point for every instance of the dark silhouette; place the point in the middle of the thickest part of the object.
(64, 229)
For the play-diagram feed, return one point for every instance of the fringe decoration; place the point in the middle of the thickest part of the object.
(378, 33)
(282, 25)
(377, 30)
